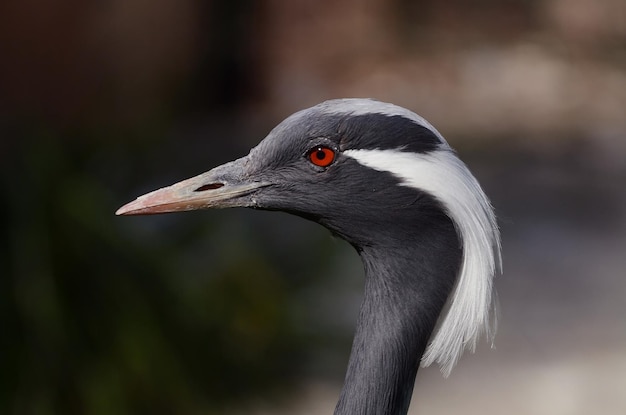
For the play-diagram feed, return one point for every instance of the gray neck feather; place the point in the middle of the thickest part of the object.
(405, 290)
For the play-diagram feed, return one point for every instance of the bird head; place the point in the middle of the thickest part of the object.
(373, 173)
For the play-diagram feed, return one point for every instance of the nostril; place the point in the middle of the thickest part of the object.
(210, 186)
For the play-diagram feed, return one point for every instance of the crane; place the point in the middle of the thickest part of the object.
(385, 180)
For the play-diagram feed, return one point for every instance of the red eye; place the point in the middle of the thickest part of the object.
(321, 156)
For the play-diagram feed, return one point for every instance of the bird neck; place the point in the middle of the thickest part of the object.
(405, 290)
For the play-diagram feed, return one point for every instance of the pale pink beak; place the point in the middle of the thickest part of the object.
(218, 188)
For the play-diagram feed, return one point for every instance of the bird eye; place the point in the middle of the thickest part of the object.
(321, 156)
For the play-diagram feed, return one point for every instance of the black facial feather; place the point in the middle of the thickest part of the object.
(399, 133)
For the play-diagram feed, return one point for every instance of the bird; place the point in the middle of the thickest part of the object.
(385, 180)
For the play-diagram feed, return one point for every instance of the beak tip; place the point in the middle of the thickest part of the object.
(135, 207)
(123, 211)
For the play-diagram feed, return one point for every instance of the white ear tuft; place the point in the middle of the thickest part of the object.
(444, 176)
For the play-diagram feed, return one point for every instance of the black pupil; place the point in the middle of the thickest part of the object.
(320, 154)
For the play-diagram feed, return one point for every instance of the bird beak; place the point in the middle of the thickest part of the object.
(222, 187)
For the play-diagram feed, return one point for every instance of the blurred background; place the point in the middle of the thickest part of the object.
(222, 312)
